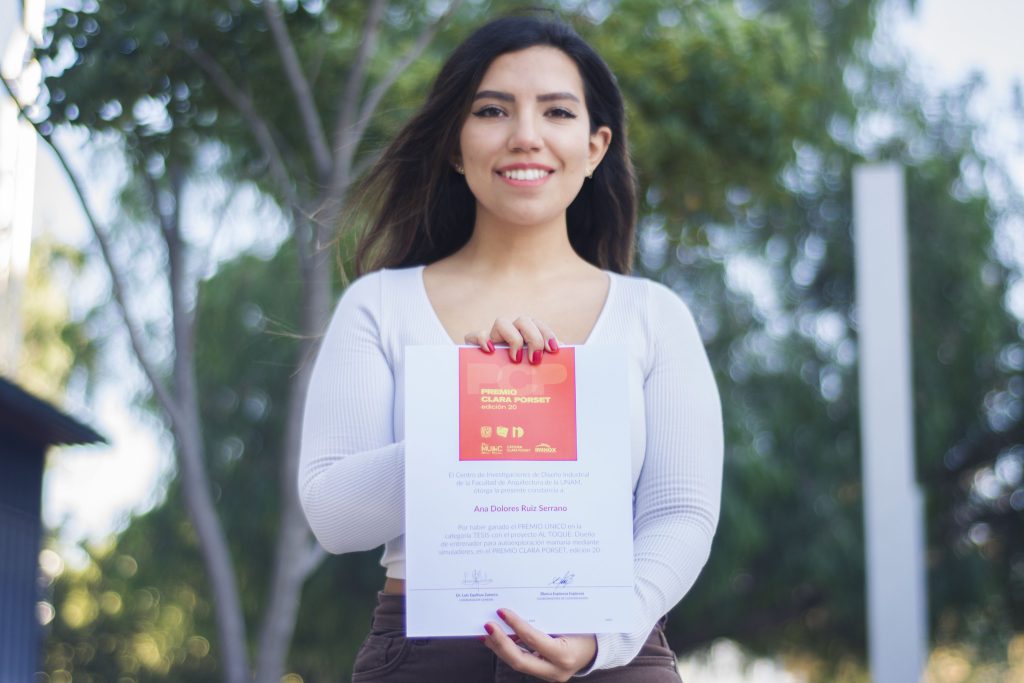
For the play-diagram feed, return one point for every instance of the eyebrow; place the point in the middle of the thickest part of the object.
(508, 97)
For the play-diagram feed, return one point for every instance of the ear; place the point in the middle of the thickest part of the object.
(599, 141)
(455, 161)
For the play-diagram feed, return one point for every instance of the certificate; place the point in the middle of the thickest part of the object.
(517, 490)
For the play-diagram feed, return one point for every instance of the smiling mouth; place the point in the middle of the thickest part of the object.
(525, 173)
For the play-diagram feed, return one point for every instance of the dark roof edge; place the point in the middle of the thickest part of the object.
(32, 413)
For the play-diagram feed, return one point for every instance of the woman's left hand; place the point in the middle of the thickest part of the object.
(552, 658)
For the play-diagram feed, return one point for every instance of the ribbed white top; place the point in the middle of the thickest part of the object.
(351, 472)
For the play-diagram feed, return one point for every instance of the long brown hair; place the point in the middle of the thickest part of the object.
(421, 210)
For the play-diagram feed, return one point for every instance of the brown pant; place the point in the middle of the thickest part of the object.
(387, 656)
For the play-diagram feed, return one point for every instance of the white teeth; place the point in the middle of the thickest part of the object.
(525, 174)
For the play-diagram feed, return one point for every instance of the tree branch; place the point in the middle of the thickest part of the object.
(350, 130)
(117, 287)
(265, 139)
(257, 124)
(315, 135)
(354, 85)
(377, 93)
(170, 228)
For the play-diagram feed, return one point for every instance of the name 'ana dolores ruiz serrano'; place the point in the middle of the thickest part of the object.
(520, 508)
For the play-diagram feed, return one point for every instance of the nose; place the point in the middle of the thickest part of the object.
(525, 136)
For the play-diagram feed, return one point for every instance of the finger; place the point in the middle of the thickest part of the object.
(535, 341)
(504, 331)
(562, 652)
(550, 340)
(481, 339)
(530, 636)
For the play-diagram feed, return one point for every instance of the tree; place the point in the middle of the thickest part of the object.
(745, 133)
(772, 281)
(162, 115)
(245, 361)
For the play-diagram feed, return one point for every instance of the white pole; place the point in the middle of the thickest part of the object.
(897, 636)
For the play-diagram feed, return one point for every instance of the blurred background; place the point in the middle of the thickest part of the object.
(190, 164)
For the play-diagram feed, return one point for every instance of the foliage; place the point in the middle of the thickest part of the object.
(745, 126)
(131, 612)
(52, 344)
(131, 73)
(788, 568)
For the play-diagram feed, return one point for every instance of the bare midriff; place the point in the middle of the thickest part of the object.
(394, 586)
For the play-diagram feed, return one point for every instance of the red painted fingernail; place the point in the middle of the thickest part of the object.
(489, 629)
(501, 613)
(519, 355)
(482, 639)
(535, 358)
(553, 345)
(490, 346)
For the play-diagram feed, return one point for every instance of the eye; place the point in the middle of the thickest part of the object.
(489, 111)
(561, 113)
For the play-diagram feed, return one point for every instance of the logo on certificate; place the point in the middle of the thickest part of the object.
(517, 411)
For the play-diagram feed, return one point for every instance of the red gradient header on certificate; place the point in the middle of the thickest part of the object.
(517, 411)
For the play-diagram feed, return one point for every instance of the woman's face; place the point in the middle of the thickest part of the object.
(526, 145)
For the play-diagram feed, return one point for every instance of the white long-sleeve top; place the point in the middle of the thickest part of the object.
(351, 473)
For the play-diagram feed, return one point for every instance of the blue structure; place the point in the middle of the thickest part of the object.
(28, 427)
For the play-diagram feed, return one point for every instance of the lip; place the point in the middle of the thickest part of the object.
(522, 166)
(500, 172)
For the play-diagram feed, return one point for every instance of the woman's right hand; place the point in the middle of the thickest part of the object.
(524, 336)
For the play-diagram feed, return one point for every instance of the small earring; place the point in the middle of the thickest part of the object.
(459, 169)
(590, 174)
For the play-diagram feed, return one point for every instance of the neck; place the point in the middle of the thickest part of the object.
(499, 249)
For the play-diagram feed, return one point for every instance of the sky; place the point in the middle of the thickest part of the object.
(92, 490)
(949, 39)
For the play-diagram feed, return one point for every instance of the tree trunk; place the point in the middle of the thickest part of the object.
(293, 537)
(188, 435)
(214, 548)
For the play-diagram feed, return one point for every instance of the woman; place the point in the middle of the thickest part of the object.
(504, 215)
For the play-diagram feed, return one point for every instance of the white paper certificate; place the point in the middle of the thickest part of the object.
(517, 491)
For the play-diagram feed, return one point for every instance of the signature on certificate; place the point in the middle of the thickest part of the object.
(563, 580)
(476, 578)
